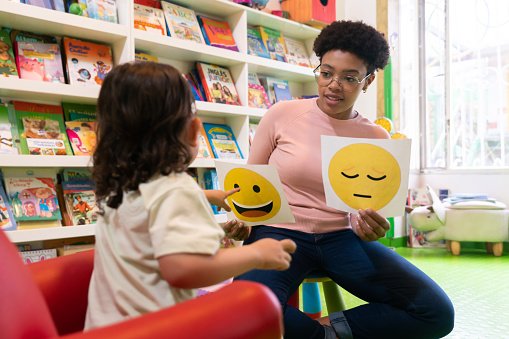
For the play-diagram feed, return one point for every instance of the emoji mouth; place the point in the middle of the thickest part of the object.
(253, 211)
(362, 196)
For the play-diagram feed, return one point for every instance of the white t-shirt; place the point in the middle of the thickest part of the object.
(169, 214)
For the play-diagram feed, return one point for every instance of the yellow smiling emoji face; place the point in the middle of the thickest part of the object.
(364, 175)
(257, 199)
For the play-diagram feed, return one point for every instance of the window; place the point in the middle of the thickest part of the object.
(456, 52)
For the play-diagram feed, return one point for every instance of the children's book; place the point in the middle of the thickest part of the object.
(211, 182)
(282, 92)
(222, 141)
(274, 43)
(149, 19)
(196, 79)
(39, 61)
(36, 224)
(7, 144)
(80, 202)
(82, 136)
(257, 97)
(105, 10)
(218, 84)
(7, 222)
(7, 62)
(42, 134)
(255, 44)
(217, 33)
(196, 94)
(138, 56)
(205, 150)
(32, 256)
(37, 107)
(252, 131)
(182, 23)
(76, 174)
(32, 198)
(149, 3)
(79, 112)
(268, 84)
(296, 53)
(49, 4)
(87, 63)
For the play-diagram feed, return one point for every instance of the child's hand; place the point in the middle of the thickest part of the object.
(274, 254)
(218, 198)
(236, 230)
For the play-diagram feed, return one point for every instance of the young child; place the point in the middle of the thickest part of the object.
(157, 240)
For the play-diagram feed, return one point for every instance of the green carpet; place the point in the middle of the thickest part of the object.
(476, 282)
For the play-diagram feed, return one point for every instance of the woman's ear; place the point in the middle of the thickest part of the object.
(192, 132)
(368, 82)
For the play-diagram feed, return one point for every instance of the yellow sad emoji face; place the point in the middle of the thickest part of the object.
(364, 175)
(257, 199)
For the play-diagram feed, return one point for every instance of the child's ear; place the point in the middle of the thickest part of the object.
(192, 133)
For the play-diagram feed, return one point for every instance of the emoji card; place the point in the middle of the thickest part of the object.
(261, 199)
(366, 173)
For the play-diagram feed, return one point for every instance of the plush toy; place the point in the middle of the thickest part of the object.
(476, 220)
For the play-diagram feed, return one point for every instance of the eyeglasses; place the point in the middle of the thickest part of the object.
(348, 83)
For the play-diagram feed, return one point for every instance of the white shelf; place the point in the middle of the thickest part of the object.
(50, 233)
(52, 161)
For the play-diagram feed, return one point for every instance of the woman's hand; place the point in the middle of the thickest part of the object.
(218, 198)
(236, 230)
(369, 225)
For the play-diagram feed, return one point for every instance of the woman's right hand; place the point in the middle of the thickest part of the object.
(236, 230)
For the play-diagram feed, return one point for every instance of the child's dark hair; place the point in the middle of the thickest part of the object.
(143, 113)
(357, 38)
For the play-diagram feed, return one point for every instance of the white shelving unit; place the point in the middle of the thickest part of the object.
(124, 40)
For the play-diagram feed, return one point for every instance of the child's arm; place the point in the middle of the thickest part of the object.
(218, 197)
(186, 270)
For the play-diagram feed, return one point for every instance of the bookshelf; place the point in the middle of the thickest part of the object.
(124, 40)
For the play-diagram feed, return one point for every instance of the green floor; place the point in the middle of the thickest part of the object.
(476, 282)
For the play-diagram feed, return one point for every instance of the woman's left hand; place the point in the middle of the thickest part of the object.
(369, 225)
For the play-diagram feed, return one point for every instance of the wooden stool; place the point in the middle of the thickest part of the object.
(311, 303)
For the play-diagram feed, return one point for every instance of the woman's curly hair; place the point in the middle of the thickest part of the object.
(357, 38)
(143, 114)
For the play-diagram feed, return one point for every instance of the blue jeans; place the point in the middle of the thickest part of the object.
(403, 302)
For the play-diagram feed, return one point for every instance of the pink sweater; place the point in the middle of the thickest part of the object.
(289, 137)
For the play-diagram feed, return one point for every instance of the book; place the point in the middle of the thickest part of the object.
(196, 79)
(211, 182)
(217, 33)
(32, 198)
(76, 174)
(257, 97)
(149, 3)
(26, 106)
(37, 224)
(7, 144)
(82, 136)
(105, 10)
(49, 4)
(218, 84)
(37, 255)
(87, 63)
(138, 56)
(71, 249)
(82, 5)
(7, 221)
(39, 61)
(274, 43)
(282, 92)
(79, 112)
(268, 84)
(42, 134)
(196, 94)
(204, 150)
(255, 44)
(182, 23)
(296, 53)
(8, 66)
(149, 19)
(80, 202)
(222, 141)
(252, 131)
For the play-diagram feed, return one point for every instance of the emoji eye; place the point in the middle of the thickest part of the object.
(256, 188)
(235, 186)
(377, 179)
(350, 176)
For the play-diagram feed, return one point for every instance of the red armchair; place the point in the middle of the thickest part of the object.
(48, 299)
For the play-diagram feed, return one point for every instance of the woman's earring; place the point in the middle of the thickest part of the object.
(364, 90)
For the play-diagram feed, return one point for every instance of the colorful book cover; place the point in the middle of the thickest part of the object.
(80, 202)
(42, 134)
(252, 131)
(32, 198)
(196, 79)
(217, 33)
(149, 19)
(7, 62)
(87, 63)
(182, 23)
(255, 44)
(282, 92)
(39, 61)
(7, 222)
(138, 56)
(32, 256)
(268, 84)
(196, 94)
(49, 4)
(37, 107)
(296, 53)
(218, 84)
(222, 141)
(105, 10)
(7, 144)
(274, 43)
(79, 112)
(76, 174)
(82, 136)
(204, 150)
(149, 3)
(257, 97)
(211, 182)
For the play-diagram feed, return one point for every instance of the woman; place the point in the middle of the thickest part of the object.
(402, 301)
